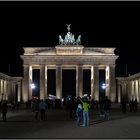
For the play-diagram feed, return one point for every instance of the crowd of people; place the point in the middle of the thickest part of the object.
(78, 108)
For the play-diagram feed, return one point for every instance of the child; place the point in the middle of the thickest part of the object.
(79, 114)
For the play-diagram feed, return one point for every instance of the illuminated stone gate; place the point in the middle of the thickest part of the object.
(69, 54)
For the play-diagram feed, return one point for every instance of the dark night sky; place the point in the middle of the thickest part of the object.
(101, 24)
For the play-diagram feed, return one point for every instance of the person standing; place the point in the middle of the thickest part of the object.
(79, 114)
(107, 106)
(36, 109)
(42, 109)
(86, 107)
(4, 110)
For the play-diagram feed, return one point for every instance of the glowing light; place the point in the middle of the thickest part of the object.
(85, 95)
(103, 86)
(33, 86)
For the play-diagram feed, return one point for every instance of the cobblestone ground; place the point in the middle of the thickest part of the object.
(21, 124)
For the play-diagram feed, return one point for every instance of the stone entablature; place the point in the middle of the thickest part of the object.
(69, 54)
(96, 60)
(83, 50)
(129, 78)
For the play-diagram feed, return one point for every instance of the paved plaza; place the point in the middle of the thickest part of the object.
(22, 124)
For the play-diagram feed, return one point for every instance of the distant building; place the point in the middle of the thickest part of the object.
(128, 87)
(10, 88)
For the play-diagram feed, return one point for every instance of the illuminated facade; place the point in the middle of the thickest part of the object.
(75, 57)
(10, 88)
(128, 88)
(69, 54)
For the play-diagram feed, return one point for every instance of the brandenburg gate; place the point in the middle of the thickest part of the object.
(69, 54)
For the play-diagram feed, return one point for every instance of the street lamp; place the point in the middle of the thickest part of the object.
(33, 86)
(103, 86)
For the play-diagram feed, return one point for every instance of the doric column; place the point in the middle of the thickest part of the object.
(119, 93)
(136, 90)
(14, 91)
(92, 82)
(128, 90)
(42, 82)
(19, 92)
(124, 90)
(58, 81)
(25, 83)
(8, 90)
(139, 89)
(0, 89)
(132, 89)
(96, 83)
(107, 81)
(111, 83)
(30, 82)
(79, 81)
(46, 82)
(4, 89)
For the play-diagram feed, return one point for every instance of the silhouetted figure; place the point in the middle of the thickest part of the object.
(124, 103)
(135, 105)
(101, 103)
(130, 106)
(107, 106)
(42, 109)
(4, 108)
(96, 104)
(92, 104)
(36, 109)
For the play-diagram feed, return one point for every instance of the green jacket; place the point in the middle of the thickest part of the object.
(86, 106)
